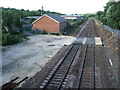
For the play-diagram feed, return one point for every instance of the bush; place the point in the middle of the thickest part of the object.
(79, 22)
(9, 39)
(71, 28)
(57, 34)
(44, 32)
(33, 31)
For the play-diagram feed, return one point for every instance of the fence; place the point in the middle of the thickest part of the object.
(116, 31)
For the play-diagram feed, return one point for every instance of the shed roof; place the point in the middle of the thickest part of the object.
(36, 17)
(55, 17)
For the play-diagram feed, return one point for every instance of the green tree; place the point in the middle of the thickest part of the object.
(32, 20)
(110, 15)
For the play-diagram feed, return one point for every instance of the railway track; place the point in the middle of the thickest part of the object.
(86, 69)
(87, 72)
(60, 73)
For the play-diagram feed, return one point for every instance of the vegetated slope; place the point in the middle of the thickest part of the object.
(111, 47)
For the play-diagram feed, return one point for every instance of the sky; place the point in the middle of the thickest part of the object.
(62, 6)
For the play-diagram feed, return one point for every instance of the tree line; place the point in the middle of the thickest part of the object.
(11, 16)
(111, 15)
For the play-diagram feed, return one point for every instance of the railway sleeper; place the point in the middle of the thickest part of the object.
(53, 85)
(63, 67)
(87, 78)
(61, 71)
(59, 74)
(87, 81)
(87, 74)
(55, 82)
(55, 77)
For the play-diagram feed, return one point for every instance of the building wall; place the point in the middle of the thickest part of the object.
(62, 26)
(45, 23)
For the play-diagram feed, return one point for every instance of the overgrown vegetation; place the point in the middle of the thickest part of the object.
(89, 15)
(70, 28)
(9, 39)
(111, 15)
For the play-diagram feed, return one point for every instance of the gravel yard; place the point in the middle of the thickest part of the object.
(27, 58)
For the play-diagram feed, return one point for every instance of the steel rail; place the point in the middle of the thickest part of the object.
(68, 69)
(83, 64)
(93, 66)
(61, 61)
(82, 30)
(93, 57)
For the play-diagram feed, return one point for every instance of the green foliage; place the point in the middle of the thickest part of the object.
(89, 15)
(9, 39)
(111, 15)
(44, 32)
(57, 34)
(32, 20)
(70, 28)
(26, 28)
(79, 22)
(99, 14)
(11, 16)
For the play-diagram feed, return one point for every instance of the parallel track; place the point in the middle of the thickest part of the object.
(58, 75)
(87, 72)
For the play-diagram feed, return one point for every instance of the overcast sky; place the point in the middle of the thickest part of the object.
(62, 6)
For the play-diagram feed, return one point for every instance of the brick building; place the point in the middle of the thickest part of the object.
(50, 23)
